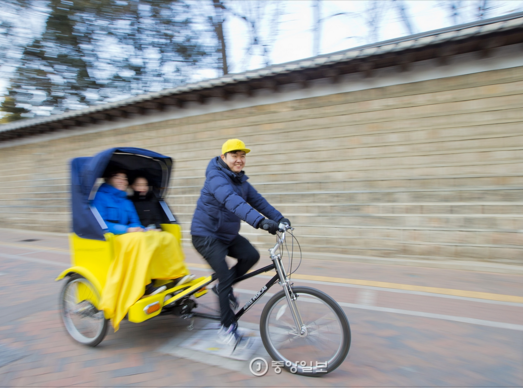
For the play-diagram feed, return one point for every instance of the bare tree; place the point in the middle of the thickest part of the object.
(374, 13)
(316, 6)
(318, 22)
(460, 11)
(483, 9)
(404, 15)
(454, 9)
(261, 18)
(267, 43)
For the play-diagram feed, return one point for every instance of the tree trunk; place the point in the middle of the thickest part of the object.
(400, 6)
(218, 27)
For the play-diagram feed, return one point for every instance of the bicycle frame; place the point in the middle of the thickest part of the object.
(280, 277)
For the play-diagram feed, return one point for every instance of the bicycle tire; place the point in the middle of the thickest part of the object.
(275, 308)
(70, 326)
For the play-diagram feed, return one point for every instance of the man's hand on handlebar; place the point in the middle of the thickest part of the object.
(269, 225)
(285, 221)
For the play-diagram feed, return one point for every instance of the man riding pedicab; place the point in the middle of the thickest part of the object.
(226, 199)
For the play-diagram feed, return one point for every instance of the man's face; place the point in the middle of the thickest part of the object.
(119, 181)
(235, 160)
(141, 186)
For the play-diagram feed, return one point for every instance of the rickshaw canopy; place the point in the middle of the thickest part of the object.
(85, 174)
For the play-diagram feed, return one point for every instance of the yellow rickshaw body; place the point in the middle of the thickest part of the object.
(91, 259)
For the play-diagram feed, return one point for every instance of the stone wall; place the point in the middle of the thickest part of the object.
(429, 169)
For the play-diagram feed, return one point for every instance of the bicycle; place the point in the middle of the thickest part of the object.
(292, 338)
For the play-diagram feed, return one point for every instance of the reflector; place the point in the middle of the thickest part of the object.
(151, 308)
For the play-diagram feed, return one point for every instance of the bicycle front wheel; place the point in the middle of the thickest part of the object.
(78, 307)
(326, 342)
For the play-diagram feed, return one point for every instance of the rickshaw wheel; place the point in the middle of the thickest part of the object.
(82, 320)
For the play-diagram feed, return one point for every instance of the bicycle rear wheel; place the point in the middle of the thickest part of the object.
(319, 351)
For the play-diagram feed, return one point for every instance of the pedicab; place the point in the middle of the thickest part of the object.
(303, 329)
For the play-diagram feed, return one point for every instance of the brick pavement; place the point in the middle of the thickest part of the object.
(388, 349)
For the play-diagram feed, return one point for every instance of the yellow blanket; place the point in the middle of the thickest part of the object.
(138, 258)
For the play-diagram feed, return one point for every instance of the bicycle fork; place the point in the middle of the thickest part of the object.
(291, 297)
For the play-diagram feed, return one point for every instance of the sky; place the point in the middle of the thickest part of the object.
(292, 38)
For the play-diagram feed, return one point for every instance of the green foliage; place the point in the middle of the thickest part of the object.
(15, 113)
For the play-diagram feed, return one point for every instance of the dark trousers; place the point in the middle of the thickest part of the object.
(214, 252)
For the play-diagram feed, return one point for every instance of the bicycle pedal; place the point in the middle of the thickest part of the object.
(243, 343)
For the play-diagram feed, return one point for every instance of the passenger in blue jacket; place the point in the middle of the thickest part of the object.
(116, 210)
(226, 199)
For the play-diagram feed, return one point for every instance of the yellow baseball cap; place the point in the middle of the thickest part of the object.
(234, 145)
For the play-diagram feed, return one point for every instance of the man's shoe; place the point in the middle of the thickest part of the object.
(231, 337)
(233, 301)
(228, 335)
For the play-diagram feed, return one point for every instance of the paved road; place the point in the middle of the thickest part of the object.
(411, 326)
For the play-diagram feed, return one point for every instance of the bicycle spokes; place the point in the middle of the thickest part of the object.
(323, 337)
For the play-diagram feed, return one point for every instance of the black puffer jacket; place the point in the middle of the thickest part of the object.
(148, 209)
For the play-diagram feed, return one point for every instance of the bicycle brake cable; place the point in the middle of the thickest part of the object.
(290, 257)
(301, 253)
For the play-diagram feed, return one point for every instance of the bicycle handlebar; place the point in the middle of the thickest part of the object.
(283, 227)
